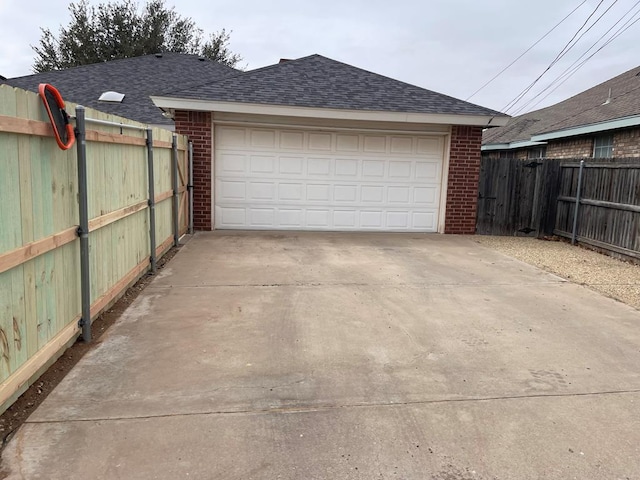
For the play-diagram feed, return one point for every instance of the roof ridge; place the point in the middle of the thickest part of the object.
(117, 60)
(244, 73)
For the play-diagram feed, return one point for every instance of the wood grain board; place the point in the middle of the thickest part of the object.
(39, 247)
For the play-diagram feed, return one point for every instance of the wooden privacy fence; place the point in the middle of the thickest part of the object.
(599, 204)
(40, 281)
(517, 197)
(542, 197)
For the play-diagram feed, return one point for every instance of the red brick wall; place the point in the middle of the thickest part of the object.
(626, 143)
(197, 125)
(578, 147)
(462, 184)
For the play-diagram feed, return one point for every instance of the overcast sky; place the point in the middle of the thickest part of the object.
(450, 46)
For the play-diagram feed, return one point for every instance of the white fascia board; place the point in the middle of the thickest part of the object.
(172, 103)
(511, 146)
(495, 146)
(586, 129)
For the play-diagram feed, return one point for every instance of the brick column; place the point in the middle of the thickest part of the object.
(197, 126)
(462, 184)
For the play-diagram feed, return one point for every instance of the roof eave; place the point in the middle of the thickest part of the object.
(175, 103)
(511, 146)
(615, 124)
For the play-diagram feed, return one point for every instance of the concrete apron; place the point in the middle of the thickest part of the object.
(323, 356)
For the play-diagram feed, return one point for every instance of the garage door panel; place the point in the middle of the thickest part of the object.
(372, 193)
(292, 140)
(371, 219)
(283, 179)
(345, 193)
(346, 167)
(261, 191)
(430, 146)
(375, 144)
(290, 218)
(262, 164)
(230, 190)
(263, 138)
(400, 170)
(319, 166)
(232, 163)
(372, 169)
(398, 220)
(262, 217)
(402, 145)
(320, 141)
(235, 217)
(318, 218)
(424, 220)
(429, 171)
(425, 195)
(347, 143)
(291, 165)
(319, 193)
(344, 218)
(290, 192)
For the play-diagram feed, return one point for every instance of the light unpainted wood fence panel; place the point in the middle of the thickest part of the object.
(39, 250)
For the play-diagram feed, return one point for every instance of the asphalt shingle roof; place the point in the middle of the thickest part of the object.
(317, 81)
(136, 77)
(584, 108)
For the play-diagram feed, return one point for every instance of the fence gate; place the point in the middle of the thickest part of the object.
(508, 201)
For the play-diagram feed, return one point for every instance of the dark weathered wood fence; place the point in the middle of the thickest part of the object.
(539, 197)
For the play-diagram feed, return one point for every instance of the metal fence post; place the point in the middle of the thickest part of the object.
(574, 233)
(190, 187)
(176, 198)
(152, 201)
(83, 228)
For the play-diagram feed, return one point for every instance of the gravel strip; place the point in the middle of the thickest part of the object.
(609, 276)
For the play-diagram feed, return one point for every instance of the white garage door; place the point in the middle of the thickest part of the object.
(279, 179)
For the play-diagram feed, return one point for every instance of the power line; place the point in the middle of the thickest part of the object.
(570, 71)
(524, 53)
(568, 46)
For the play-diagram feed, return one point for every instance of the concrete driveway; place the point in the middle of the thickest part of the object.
(348, 356)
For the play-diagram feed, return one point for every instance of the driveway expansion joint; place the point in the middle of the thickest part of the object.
(355, 284)
(337, 406)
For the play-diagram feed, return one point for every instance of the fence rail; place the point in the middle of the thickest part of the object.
(40, 287)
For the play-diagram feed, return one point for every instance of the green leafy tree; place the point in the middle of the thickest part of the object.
(122, 30)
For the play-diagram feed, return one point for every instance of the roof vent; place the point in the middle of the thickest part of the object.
(608, 100)
(202, 59)
(284, 60)
(111, 97)
(159, 55)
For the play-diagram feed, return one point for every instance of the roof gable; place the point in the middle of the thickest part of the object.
(136, 77)
(586, 108)
(321, 82)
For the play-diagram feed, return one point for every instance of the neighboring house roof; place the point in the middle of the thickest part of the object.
(135, 77)
(319, 82)
(593, 107)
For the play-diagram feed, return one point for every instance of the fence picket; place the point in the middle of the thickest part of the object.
(39, 283)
